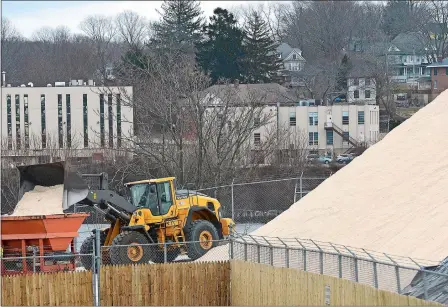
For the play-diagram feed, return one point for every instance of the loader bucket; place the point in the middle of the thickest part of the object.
(50, 174)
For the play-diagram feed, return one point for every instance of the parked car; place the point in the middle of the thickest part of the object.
(312, 158)
(325, 159)
(344, 158)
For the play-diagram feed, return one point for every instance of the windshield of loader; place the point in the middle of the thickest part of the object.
(144, 195)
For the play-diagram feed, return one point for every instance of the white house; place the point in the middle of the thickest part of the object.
(361, 90)
(292, 63)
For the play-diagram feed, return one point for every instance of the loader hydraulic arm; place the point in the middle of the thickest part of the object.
(107, 196)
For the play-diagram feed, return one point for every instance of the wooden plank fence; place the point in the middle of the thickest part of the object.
(256, 284)
(235, 283)
(174, 284)
(56, 289)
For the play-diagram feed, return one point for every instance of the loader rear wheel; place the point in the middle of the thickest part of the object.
(86, 250)
(203, 236)
(133, 250)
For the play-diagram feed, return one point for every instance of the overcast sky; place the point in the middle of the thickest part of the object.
(29, 16)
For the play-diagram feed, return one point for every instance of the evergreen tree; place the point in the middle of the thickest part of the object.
(261, 62)
(222, 53)
(180, 26)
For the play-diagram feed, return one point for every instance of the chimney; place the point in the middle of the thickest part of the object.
(3, 78)
(236, 83)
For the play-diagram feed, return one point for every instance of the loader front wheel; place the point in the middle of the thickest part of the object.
(129, 247)
(203, 235)
(86, 250)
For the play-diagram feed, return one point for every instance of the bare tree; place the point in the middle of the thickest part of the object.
(11, 41)
(432, 24)
(101, 31)
(9, 31)
(132, 29)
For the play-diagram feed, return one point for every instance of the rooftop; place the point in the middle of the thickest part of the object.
(444, 63)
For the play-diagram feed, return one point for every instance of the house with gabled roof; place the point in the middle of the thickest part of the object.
(407, 58)
(292, 64)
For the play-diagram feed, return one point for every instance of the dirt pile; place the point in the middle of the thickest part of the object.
(393, 198)
(41, 201)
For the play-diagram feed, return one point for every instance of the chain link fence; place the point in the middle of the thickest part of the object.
(420, 278)
(261, 201)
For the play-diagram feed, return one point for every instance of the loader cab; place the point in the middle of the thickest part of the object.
(157, 195)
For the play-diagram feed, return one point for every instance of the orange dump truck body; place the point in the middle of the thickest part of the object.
(46, 234)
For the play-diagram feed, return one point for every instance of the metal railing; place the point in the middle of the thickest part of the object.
(379, 270)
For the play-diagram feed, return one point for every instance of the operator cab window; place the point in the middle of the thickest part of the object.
(145, 196)
(166, 200)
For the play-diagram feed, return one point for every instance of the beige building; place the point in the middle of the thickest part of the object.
(300, 126)
(333, 129)
(83, 119)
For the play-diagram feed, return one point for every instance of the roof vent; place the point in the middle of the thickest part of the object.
(22, 85)
(30, 84)
(48, 85)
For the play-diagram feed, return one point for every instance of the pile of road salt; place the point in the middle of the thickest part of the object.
(41, 201)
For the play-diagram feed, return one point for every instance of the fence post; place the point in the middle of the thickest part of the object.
(165, 252)
(271, 252)
(231, 248)
(301, 186)
(339, 260)
(321, 258)
(97, 265)
(75, 239)
(93, 276)
(233, 200)
(245, 249)
(375, 271)
(286, 252)
(295, 192)
(397, 272)
(355, 260)
(303, 253)
(34, 258)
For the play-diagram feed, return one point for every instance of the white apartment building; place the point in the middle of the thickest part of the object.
(84, 119)
(325, 129)
(300, 124)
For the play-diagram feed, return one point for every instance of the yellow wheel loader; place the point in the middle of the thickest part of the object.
(188, 222)
(156, 217)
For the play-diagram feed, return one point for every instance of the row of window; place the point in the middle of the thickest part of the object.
(313, 138)
(367, 81)
(367, 94)
(18, 123)
(68, 121)
(314, 121)
(435, 71)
